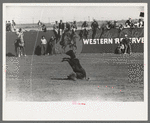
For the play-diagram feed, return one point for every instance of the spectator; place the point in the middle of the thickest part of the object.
(127, 44)
(74, 27)
(68, 26)
(13, 26)
(141, 23)
(84, 31)
(8, 26)
(61, 29)
(43, 45)
(44, 29)
(115, 25)
(39, 25)
(108, 25)
(55, 29)
(120, 48)
(121, 27)
(94, 27)
(128, 23)
(52, 43)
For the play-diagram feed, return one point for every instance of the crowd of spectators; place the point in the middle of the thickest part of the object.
(128, 24)
(60, 29)
(11, 26)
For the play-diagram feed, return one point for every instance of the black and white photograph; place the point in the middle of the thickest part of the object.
(63, 58)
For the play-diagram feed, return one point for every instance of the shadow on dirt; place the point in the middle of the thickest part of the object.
(10, 55)
(59, 79)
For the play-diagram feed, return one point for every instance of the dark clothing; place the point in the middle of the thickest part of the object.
(128, 22)
(94, 33)
(84, 32)
(61, 26)
(126, 41)
(8, 27)
(74, 25)
(127, 44)
(13, 23)
(94, 25)
(52, 44)
(44, 28)
(68, 26)
(84, 24)
(39, 23)
(43, 49)
(127, 48)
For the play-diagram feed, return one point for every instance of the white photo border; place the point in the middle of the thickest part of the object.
(47, 111)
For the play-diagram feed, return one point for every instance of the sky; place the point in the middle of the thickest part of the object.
(31, 14)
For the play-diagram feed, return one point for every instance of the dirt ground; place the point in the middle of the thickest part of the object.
(42, 78)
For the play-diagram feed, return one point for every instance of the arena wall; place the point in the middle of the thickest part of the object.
(105, 41)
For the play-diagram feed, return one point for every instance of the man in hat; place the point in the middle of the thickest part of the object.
(61, 29)
(94, 27)
(128, 23)
(78, 71)
(84, 30)
(39, 25)
(127, 44)
(55, 29)
(44, 29)
(74, 27)
(13, 25)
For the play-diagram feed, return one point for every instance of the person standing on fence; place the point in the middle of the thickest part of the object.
(84, 30)
(13, 26)
(39, 25)
(128, 23)
(127, 44)
(94, 27)
(61, 29)
(55, 29)
(74, 27)
(43, 45)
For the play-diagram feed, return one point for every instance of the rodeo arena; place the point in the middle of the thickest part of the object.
(75, 60)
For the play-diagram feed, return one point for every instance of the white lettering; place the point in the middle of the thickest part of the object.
(110, 41)
(116, 40)
(94, 41)
(98, 41)
(138, 40)
(91, 41)
(85, 41)
(142, 40)
(105, 40)
(133, 40)
(101, 41)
